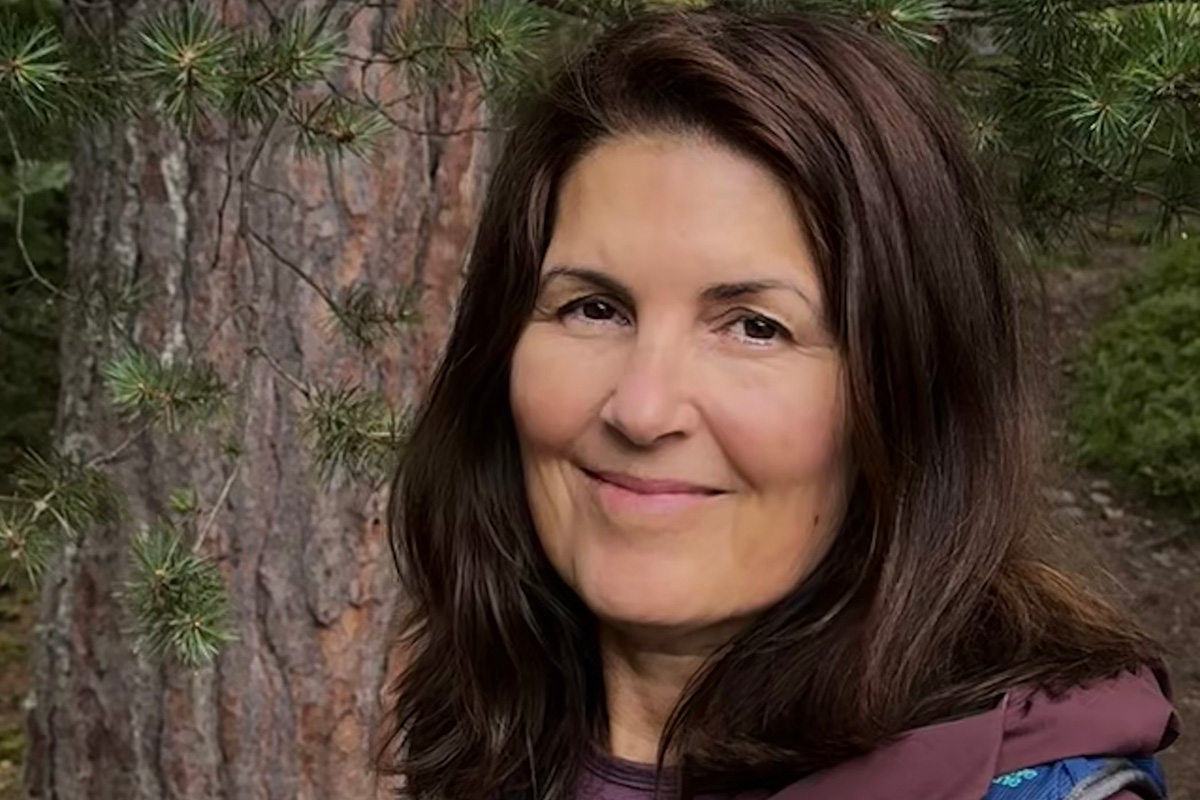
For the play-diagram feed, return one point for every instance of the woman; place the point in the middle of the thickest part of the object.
(723, 486)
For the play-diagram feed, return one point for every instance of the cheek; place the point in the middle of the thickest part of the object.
(554, 391)
(550, 392)
(786, 429)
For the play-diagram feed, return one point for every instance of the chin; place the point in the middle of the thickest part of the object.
(663, 603)
(656, 599)
(640, 614)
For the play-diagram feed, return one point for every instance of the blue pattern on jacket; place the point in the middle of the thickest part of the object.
(1054, 781)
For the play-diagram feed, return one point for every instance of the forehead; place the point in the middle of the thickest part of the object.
(646, 204)
(674, 176)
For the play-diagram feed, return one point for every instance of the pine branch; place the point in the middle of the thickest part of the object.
(31, 68)
(57, 499)
(78, 495)
(177, 599)
(367, 316)
(202, 535)
(1099, 112)
(174, 394)
(299, 272)
(353, 429)
(331, 126)
(307, 48)
(26, 547)
(183, 59)
(110, 308)
(268, 67)
(421, 44)
(373, 105)
(300, 386)
(504, 36)
(913, 24)
(258, 86)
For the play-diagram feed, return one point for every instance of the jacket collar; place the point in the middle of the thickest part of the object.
(958, 760)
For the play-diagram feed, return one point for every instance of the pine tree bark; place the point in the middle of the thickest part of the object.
(287, 710)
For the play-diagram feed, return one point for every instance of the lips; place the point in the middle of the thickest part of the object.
(648, 486)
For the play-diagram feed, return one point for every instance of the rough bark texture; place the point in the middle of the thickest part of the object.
(286, 711)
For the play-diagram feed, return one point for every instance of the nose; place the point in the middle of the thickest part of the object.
(648, 401)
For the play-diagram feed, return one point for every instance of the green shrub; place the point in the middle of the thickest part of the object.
(1135, 399)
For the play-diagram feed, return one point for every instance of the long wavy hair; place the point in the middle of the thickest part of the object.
(938, 593)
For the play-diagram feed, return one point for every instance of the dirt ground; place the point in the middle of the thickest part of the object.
(1153, 555)
(1154, 558)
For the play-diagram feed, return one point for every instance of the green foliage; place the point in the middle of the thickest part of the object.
(183, 501)
(262, 67)
(32, 68)
(1135, 407)
(333, 124)
(1176, 268)
(1076, 106)
(12, 743)
(181, 58)
(27, 548)
(56, 499)
(367, 317)
(422, 44)
(353, 429)
(177, 599)
(1095, 106)
(175, 394)
(75, 495)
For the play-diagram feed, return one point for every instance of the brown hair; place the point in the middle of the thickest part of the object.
(937, 594)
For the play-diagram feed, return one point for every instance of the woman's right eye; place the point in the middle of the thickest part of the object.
(592, 309)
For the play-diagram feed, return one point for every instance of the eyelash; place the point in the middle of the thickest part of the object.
(745, 315)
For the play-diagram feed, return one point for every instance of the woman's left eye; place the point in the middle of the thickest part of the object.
(758, 328)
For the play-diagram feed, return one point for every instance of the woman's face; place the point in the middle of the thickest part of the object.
(677, 397)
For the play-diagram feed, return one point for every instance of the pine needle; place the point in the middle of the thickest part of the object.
(183, 58)
(368, 316)
(66, 494)
(355, 430)
(177, 598)
(175, 394)
(334, 126)
(26, 547)
(32, 68)
(267, 68)
(423, 44)
(183, 501)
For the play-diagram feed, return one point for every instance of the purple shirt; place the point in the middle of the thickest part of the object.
(606, 777)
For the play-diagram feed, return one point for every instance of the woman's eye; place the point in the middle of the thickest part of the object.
(593, 309)
(597, 309)
(759, 329)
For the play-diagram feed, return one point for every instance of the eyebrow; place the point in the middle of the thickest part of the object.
(595, 277)
(717, 292)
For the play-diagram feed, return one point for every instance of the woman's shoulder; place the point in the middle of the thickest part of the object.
(1098, 778)
(1033, 745)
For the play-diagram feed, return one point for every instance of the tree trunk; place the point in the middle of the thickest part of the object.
(287, 710)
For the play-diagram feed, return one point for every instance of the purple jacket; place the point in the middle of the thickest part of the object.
(1129, 715)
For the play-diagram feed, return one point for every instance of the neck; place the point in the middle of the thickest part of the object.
(645, 674)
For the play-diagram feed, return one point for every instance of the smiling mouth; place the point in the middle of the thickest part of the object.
(648, 485)
(618, 492)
